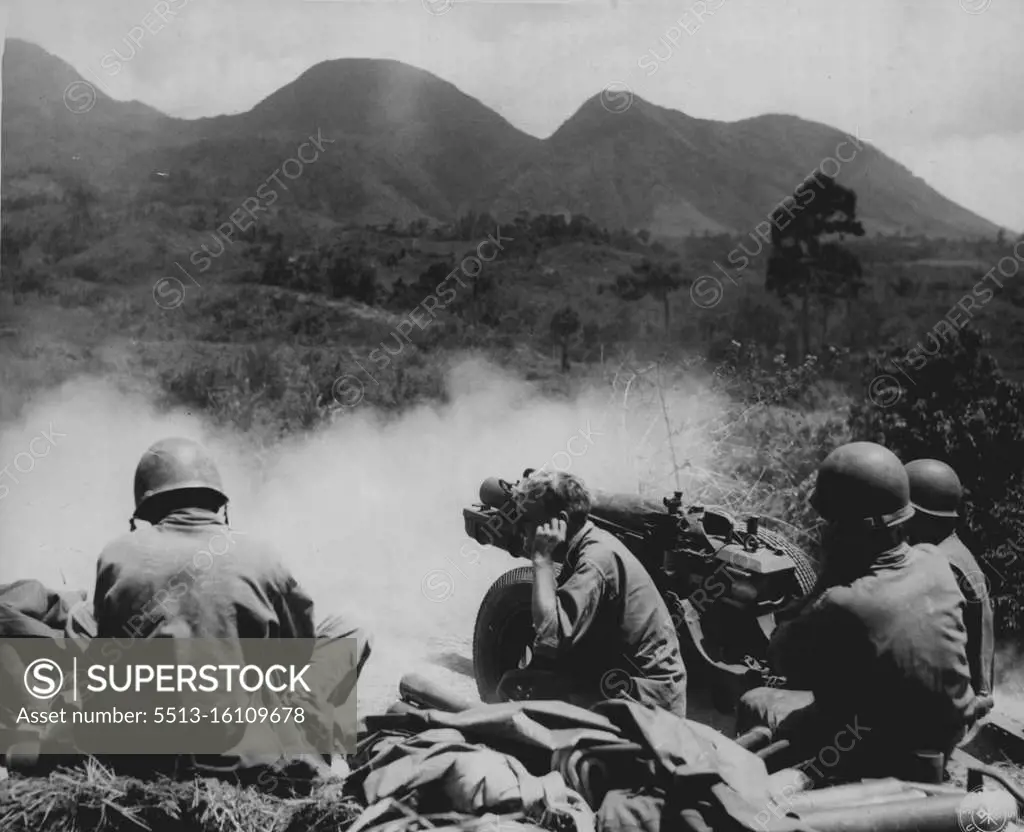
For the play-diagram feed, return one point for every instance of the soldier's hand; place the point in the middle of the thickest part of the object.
(548, 538)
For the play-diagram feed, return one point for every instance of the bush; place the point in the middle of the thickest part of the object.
(31, 280)
(779, 427)
(958, 407)
(268, 391)
(350, 276)
(85, 271)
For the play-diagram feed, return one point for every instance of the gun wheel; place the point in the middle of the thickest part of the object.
(503, 634)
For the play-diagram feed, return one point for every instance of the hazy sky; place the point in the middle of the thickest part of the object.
(934, 83)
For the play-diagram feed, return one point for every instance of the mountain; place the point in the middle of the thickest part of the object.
(51, 115)
(398, 142)
(401, 143)
(661, 169)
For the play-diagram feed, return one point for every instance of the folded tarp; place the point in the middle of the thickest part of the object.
(393, 816)
(530, 731)
(662, 772)
(682, 743)
(702, 779)
(29, 609)
(437, 770)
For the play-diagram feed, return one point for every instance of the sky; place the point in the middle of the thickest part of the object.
(933, 83)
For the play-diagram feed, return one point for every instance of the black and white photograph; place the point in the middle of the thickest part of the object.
(511, 416)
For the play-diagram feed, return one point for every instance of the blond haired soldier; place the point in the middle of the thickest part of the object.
(602, 628)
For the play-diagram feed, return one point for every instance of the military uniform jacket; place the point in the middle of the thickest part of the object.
(889, 649)
(192, 577)
(978, 616)
(613, 628)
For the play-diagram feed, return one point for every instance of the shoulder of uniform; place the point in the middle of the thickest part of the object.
(123, 547)
(265, 556)
(928, 549)
(954, 543)
(838, 596)
(599, 543)
(929, 553)
(601, 549)
(945, 565)
(848, 600)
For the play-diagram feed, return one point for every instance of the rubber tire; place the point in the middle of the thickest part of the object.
(504, 628)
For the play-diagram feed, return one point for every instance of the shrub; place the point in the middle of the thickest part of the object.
(958, 407)
(86, 271)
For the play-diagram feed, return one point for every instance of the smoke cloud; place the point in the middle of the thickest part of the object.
(1009, 693)
(367, 513)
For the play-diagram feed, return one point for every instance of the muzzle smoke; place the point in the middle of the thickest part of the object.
(367, 513)
(1009, 694)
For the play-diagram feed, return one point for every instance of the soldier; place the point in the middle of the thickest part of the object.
(602, 627)
(879, 656)
(189, 575)
(936, 494)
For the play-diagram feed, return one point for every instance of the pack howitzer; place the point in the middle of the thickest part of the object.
(724, 582)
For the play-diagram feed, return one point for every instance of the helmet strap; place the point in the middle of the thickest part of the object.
(890, 521)
(854, 547)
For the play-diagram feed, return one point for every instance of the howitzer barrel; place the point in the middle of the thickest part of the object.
(984, 811)
(630, 511)
(418, 690)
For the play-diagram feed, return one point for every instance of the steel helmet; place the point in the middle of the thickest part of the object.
(173, 465)
(935, 488)
(862, 482)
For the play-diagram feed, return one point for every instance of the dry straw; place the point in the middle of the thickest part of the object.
(91, 798)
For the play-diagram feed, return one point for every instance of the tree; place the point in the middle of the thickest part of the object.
(349, 275)
(565, 323)
(650, 278)
(80, 197)
(806, 260)
(405, 296)
(471, 225)
(1001, 237)
(11, 246)
(957, 406)
(275, 264)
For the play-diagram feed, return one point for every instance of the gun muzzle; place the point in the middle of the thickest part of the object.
(495, 492)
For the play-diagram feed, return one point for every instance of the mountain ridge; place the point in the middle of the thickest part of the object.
(411, 143)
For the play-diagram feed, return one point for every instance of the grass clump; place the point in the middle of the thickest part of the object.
(92, 798)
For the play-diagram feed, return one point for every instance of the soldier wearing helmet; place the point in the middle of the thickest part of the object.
(936, 494)
(188, 574)
(878, 656)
